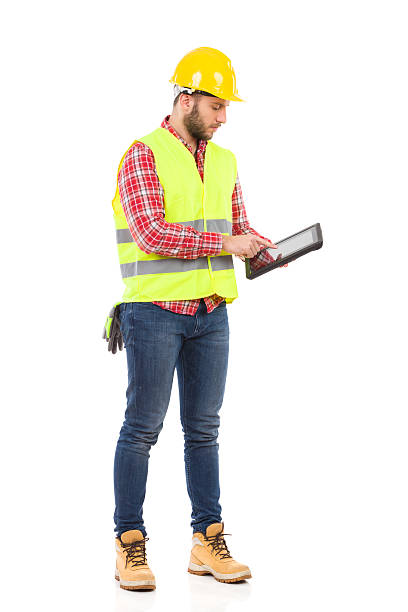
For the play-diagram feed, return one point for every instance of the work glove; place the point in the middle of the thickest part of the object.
(111, 331)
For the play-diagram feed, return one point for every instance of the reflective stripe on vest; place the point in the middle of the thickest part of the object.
(221, 226)
(174, 264)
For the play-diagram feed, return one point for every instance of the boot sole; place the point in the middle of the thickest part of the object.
(135, 585)
(202, 570)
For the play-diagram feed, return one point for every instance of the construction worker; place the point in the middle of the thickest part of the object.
(179, 218)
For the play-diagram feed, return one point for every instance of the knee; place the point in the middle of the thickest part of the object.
(202, 437)
(139, 437)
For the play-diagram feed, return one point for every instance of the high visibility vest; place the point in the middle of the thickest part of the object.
(187, 200)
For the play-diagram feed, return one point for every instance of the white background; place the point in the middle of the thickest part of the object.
(313, 430)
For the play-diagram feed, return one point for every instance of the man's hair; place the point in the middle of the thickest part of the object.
(194, 94)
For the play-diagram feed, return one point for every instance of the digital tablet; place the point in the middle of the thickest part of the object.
(290, 248)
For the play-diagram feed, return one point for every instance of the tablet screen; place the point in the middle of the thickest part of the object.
(287, 247)
(294, 243)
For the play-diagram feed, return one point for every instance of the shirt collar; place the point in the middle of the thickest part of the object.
(201, 145)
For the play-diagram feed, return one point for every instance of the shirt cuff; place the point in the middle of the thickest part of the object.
(211, 243)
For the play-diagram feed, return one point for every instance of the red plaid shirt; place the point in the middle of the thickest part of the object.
(141, 195)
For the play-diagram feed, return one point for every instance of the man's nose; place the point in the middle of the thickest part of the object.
(222, 116)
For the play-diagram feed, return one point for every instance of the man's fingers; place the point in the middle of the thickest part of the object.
(266, 242)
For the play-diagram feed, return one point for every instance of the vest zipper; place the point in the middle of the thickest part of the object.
(205, 229)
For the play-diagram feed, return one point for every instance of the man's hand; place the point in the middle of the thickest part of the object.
(280, 257)
(246, 245)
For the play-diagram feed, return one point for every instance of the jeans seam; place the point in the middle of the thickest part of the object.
(187, 457)
(132, 344)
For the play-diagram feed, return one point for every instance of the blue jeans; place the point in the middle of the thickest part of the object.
(157, 341)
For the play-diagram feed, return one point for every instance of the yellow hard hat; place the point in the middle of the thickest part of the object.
(207, 70)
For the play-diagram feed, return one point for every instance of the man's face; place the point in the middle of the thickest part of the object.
(206, 115)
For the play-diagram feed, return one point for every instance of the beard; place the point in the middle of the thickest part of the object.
(195, 125)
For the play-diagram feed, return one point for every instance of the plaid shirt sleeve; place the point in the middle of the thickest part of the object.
(240, 224)
(142, 199)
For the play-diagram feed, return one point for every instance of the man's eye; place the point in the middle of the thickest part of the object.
(216, 108)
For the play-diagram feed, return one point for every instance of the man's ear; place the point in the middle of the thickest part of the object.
(186, 101)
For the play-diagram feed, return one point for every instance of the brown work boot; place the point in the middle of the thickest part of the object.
(132, 570)
(210, 555)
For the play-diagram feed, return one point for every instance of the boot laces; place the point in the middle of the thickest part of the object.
(136, 552)
(219, 545)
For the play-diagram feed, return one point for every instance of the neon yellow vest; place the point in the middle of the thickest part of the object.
(206, 207)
